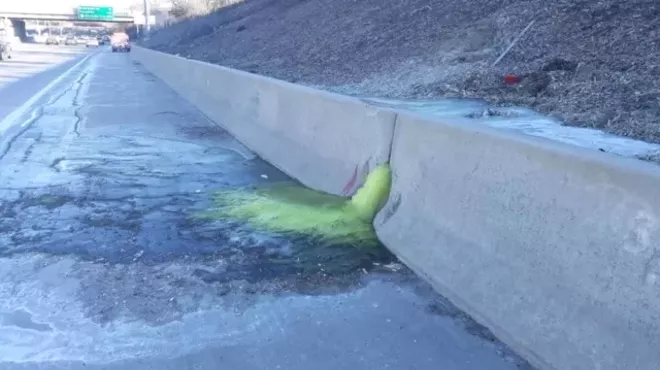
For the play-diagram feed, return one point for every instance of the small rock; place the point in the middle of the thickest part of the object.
(240, 28)
(138, 255)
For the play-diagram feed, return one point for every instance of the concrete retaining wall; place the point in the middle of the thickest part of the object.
(321, 139)
(554, 248)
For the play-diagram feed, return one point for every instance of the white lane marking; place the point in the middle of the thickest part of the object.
(12, 117)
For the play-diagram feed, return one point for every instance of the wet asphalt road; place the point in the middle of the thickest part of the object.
(103, 267)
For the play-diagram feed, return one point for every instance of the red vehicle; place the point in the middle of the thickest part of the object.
(120, 42)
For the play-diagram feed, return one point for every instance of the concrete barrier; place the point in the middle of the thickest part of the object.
(555, 248)
(324, 140)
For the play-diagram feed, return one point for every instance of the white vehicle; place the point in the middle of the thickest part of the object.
(92, 43)
(120, 42)
(40, 39)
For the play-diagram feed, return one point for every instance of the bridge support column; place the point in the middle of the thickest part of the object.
(19, 29)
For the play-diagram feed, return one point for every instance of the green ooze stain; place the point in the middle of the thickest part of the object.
(290, 208)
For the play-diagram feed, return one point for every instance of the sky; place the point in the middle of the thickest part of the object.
(45, 5)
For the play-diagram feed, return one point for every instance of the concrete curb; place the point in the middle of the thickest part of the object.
(552, 247)
(321, 139)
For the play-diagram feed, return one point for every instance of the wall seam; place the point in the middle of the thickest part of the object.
(391, 146)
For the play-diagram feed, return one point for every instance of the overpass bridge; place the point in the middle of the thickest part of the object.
(69, 15)
(13, 15)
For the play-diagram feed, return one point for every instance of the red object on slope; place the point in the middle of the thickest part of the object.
(511, 79)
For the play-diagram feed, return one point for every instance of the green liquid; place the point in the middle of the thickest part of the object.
(290, 208)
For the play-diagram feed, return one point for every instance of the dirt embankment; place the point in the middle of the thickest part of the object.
(591, 63)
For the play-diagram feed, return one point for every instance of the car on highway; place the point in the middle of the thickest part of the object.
(40, 39)
(71, 40)
(52, 40)
(92, 43)
(120, 42)
(5, 50)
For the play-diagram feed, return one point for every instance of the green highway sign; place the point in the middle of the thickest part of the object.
(95, 13)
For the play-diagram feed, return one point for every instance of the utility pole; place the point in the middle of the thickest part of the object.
(146, 17)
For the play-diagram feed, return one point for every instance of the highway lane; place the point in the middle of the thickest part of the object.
(32, 68)
(104, 266)
(31, 59)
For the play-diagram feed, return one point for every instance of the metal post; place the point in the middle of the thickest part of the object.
(146, 17)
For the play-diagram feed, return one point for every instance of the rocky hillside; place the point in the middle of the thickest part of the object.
(591, 63)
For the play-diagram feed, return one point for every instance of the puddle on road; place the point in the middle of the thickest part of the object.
(171, 199)
(328, 234)
(289, 208)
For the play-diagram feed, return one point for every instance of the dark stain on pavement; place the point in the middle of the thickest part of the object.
(137, 201)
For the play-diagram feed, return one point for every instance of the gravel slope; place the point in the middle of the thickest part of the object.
(590, 63)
